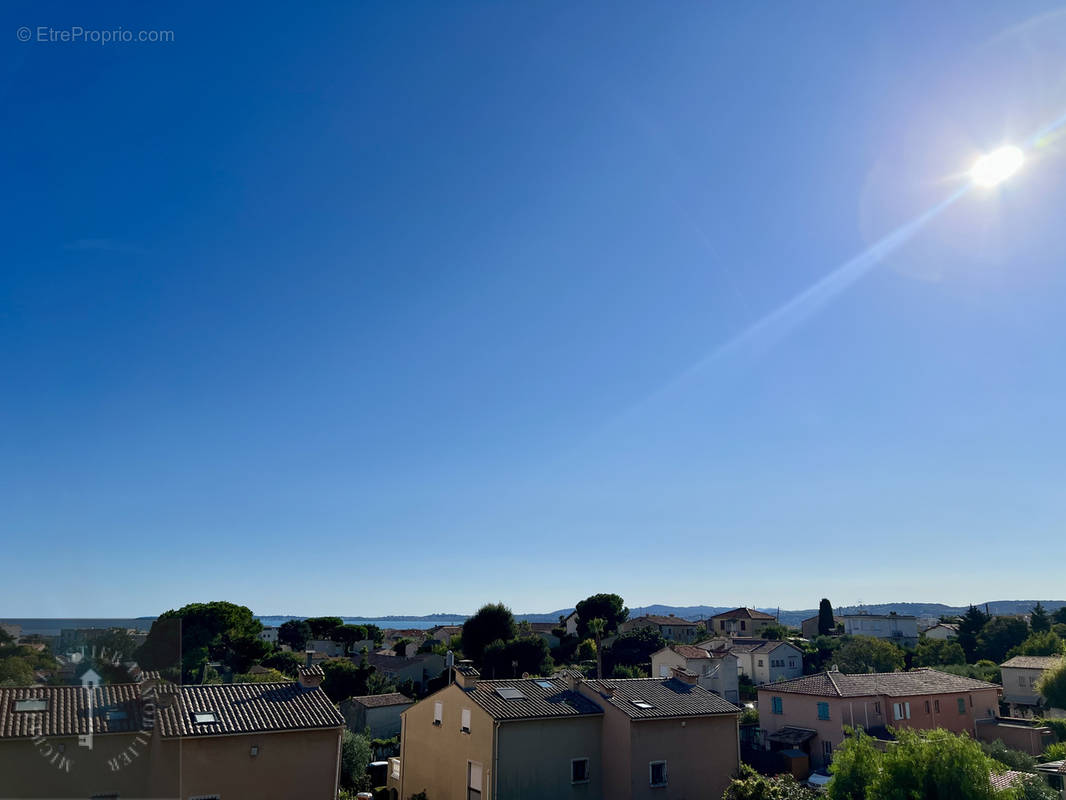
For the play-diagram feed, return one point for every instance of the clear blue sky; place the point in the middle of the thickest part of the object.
(406, 307)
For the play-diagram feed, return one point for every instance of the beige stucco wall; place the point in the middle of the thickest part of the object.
(801, 711)
(1019, 685)
(434, 758)
(701, 755)
(534, 758)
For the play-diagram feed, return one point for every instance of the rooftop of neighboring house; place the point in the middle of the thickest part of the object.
(658, 619)
(864, 615)
(688, 651)
(542, 627)
(381, 661)
(745, 645)
(1033, 662)
(655, 698)
(382, 700)
(951, 626)
(892, 684)
(744, 613)
(213, 710)
(530, 698)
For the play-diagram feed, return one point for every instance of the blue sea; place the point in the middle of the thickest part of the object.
(52, 626)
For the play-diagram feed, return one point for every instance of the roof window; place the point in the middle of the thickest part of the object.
(204, 717)
(510, 693)
(31, 705)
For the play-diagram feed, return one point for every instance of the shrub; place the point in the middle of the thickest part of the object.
(1054, 752)
(1013, 759)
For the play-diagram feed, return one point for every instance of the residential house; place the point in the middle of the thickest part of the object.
(264, 740)
(716, 670)
(570, 623)
(671, 628)
(745, 622)
(942, 632)
(442, 634)
(811, 713)
(419, 668)
(899, 628)
(1020, 676)
(11, 629)
(564, 737)
(378, 712)
(327, 648)
(761, 660)
(542, 629)
(809, 626)
(269, 634)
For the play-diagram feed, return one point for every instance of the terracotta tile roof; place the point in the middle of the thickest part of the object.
(893, 684)
(668, 697)
(247, 708)
(1007, 779)
(382, 700)
(689, 651)
(1033, 662)
(744, 613)
(541, 697)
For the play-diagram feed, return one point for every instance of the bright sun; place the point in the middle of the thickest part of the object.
(995, 167)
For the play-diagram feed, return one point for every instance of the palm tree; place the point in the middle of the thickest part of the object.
(596, 628)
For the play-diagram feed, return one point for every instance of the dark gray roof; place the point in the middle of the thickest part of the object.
(893, 684)
(248, 708)
(744, 613)
(381, 700)
(667, 697)
(238, 708)
(553, 699)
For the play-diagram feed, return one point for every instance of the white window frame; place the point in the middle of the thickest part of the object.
(651, 775)
(464, 723)
(471, 767)
(901, 710)
(438, 714)
(588, 769)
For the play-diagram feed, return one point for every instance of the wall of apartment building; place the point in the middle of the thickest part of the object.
(942, 710)
(57, 766)
(1019, 685)
(701, 755)
(768, 671)
(533, 758)
(434, 758)
(302, 764)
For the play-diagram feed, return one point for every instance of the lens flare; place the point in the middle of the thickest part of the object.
(995, 167)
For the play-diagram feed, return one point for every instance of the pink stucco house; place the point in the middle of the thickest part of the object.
(810, 713)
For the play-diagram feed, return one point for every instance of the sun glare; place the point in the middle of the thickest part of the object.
(995, 167)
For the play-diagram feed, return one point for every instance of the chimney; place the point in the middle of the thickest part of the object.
(309, 656)
(607, 689)
(834, 668)
(573, 679)
(465, 675)
(310, 677)
(685, 675)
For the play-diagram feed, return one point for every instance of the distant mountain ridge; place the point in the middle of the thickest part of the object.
(789, 617)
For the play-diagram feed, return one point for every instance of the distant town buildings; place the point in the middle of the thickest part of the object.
(746, 622)
(671, 628)
(1020, 676)
(899, 628)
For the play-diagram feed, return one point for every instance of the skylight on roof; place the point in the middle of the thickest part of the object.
(510, 693)
(204, 717)
(31, 705)
(545, 684)
(642, 704)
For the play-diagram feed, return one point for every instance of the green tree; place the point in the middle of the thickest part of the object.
(855, 765)
(586, 650)
(1052, 685)
(933, 764)
(1046, 643)
(16, 671)
(286, 663)
(1060, 615)
(1039, 620)
(295, 633)
(348, 635)
(867, 654)
(999, 636)
(186, 638)
(1033, 787)
(985, 670)
(356, 755)
(345, 679)
(511, 659)
(938, 652)
(323, 627)
(827, 623)
(597, 626)
(608, 607)
(491, 622)
(750, 785)
(399, 647)
(970, 626)
(775, 632)
(634, 649)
